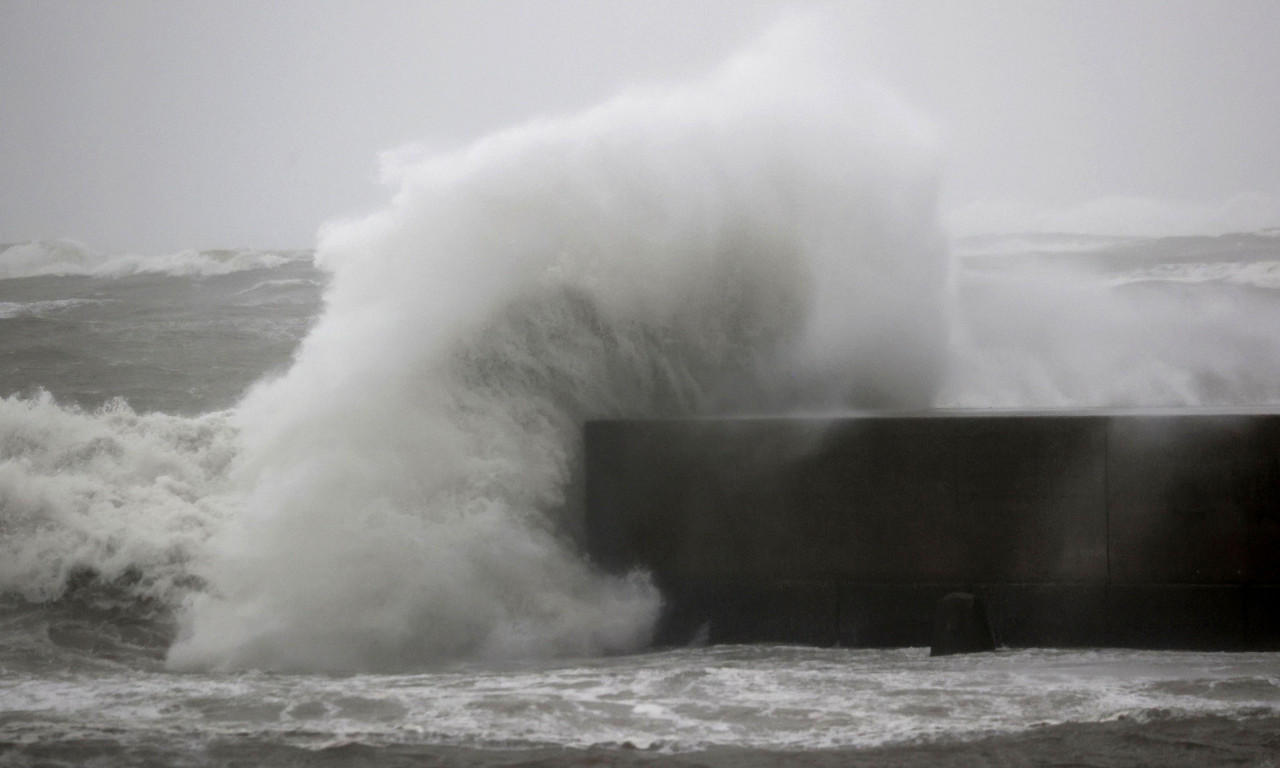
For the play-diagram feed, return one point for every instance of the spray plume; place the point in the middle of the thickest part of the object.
(765, 237)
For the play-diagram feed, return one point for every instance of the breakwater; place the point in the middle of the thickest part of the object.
(1123, 529)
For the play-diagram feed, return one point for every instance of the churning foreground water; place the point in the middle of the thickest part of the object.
(765, 698)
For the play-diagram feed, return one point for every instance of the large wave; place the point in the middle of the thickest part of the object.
(767, 236)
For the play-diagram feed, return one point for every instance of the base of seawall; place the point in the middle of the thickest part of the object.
(1152, 616)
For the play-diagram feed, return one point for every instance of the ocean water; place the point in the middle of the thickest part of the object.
(275, 506)
(120, 438)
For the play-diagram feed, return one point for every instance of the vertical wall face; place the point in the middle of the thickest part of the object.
(1155, 531)
(1194, 499)
(1194, 510)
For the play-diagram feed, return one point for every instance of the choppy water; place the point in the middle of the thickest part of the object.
(185, 344)
(678, 700)
(88, 669)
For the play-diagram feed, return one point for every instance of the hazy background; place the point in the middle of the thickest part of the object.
(159, 125)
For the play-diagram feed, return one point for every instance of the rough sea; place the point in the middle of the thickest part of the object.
(117, 432)
(323, 508)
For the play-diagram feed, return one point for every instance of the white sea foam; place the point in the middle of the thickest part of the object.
(763, 697)
(110, 491)
(764, 235)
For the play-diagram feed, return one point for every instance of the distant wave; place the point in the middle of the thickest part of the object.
(282, 283)
(764, 236)
(1259, 274)
(1121, 216)
(67, 257)
(1161, 321)
(1239, 258)
(1024, 243)
(10, 309)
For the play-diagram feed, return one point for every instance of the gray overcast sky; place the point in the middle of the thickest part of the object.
(159, 125)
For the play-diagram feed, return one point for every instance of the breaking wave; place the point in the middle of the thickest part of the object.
(763, 238)
(110, 493)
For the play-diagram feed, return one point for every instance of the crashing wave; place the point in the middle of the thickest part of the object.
(765, 237)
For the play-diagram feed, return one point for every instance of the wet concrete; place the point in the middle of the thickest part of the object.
(1152, 530)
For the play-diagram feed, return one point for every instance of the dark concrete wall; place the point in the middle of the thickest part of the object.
(1105, 529)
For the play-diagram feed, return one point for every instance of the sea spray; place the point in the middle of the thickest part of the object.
(762, 238)
(1136, 323)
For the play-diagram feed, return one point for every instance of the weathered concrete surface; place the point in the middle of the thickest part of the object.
(960, 626)
(1131, 529)
(1194, 499)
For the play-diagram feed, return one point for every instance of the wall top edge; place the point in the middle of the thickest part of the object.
(957, 413)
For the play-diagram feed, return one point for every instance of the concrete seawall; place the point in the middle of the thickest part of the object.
(1098, 529)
